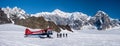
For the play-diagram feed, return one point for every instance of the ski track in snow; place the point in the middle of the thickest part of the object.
(13, 35)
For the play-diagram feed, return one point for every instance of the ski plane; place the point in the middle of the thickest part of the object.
(40, 32)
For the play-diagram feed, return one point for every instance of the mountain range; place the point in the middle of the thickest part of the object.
(58, 19)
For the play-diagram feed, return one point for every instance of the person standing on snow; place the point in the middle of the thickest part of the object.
(58, 35)
(66, 34)
(63, 34)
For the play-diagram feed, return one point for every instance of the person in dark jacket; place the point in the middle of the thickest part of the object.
(66, 35)
(63, 34)
(60, 35)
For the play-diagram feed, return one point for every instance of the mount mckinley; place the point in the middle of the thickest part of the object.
(58, 19)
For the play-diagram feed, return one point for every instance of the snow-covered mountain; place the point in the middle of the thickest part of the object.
(56, 16)
(76, 20)
(102, 21)
(15, 13)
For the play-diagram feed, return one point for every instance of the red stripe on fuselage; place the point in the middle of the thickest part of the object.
(38, 32)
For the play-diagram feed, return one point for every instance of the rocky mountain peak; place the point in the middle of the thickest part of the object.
(101, 20)
(101, 14)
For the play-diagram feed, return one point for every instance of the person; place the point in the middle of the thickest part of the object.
(60, 35)
(63, 34)
(66, 35)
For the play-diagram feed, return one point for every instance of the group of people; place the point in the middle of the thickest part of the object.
(60, 35)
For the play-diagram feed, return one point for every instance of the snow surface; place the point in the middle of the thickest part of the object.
(13, 35)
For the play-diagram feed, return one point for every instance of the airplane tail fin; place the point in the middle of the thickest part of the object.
(27, 31)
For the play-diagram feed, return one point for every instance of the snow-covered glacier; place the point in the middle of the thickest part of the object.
(13, 35)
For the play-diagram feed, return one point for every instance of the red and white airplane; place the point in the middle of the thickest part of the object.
(47, 32)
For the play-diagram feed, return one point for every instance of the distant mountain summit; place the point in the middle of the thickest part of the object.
(101, 20)
(62, 20)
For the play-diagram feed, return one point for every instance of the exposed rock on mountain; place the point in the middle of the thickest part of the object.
(38, 22)
(65, 27)
(3, 18)
(101, 20)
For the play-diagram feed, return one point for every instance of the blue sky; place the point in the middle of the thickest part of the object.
(89, 7)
